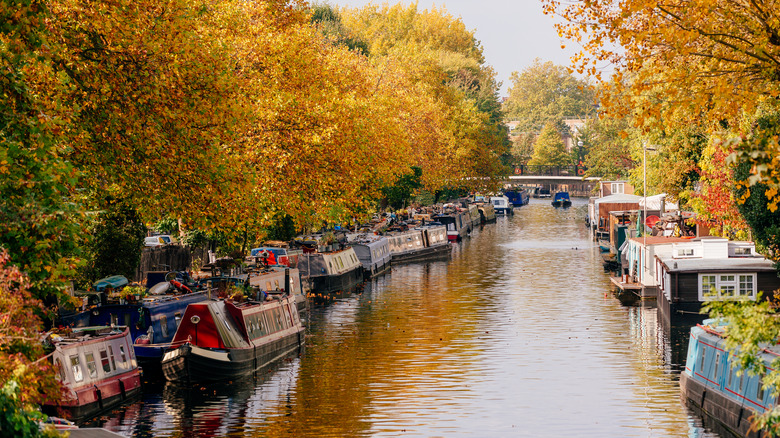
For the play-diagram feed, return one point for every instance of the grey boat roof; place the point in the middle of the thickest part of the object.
(736, 264)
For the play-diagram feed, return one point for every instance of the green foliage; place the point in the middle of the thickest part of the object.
(764, 224)
(283, 228)
(751, 325)
(399, 194)
(167, 225)
(523, 147)
(546, 92)
(117, 242)
(549, 149)
(608, 147)
(17, 420)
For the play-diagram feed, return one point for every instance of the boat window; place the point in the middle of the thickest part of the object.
(269, 317)
(742, 380)
(276, 283)
(760, 387)
(702, 357)
(91, 366)
(75, 364)
(164, 325)
(60, 369)
(114, 319)
(268, 285)
(177, 318)
(731, 376)
(111, 356)
(123, 356)
(261, 326)
(104, 362)
(717, 365)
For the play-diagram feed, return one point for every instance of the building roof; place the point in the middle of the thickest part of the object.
(731, 264)
(617, 199)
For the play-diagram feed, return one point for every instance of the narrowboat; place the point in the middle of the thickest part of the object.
(486, 213)
(224, 339)
(518, 196)
(710, 381)
(474, 215)
(152, 320)
(501, 205)
(373, 252)
(561, 199)
(422, 243)
(97, 368)
(332, 271)
(455, 223)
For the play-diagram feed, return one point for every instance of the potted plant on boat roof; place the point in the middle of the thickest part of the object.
(328, 240)
(132, 293)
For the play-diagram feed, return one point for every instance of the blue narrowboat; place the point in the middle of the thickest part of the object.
(518, 196)
(152, 320)
(561, 199)
(712, 381)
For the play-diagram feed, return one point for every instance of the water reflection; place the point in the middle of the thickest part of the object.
(516, 335)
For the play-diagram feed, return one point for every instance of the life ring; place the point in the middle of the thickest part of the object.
(181, 287)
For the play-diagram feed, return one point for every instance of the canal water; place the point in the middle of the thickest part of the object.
(518, 334)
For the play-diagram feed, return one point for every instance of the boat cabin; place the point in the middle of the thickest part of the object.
(710, 268)
(372, 251)
(501, 205)
(97, 367)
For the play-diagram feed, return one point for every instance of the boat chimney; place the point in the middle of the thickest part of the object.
(286, 280)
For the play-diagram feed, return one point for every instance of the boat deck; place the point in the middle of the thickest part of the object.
(625, 286)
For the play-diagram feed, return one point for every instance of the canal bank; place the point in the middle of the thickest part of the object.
(517, 334)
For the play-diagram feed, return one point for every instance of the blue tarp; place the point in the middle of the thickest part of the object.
(115, 282)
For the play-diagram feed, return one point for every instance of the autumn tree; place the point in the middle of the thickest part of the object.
(39, 217)
(549, 149)
(451, 111)
(607, 142)
(545, 92)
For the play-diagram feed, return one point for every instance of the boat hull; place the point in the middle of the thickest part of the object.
(423, 254)
(190, 363)
(90, 401)
(336, 283)
(730, 414)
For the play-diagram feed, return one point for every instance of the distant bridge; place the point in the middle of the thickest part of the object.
(555, 178)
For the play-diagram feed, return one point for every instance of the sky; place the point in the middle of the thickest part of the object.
(512, 33)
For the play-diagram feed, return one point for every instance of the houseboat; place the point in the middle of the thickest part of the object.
(688, 276)
(600, 208)
(474, 215)
(423, 243)
(373, 252)
(710, 381)
(455, 223)
(486, 213)
(97, 368)
(518, 196)
(331, 271)
(501, 205)
(224, 339)
(561, 199)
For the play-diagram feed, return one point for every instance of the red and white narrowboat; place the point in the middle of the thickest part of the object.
(223, 340)
(97, 367)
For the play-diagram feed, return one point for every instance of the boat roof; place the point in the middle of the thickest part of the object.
(618, 199)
